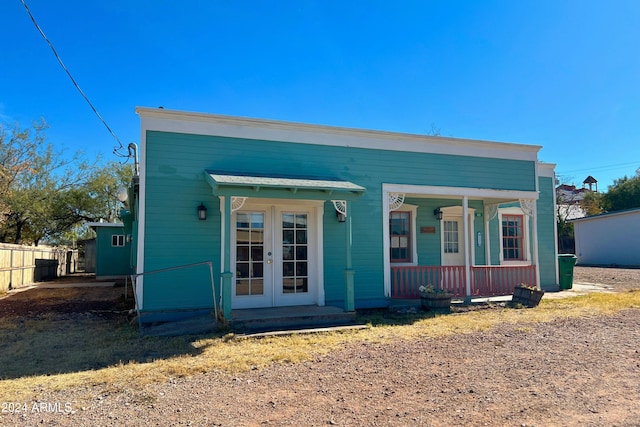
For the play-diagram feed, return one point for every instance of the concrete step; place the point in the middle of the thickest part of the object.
(200, 324)
(289, 318)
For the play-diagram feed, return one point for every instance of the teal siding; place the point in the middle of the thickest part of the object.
(112, 260)
(428, 244)
(175, 186)
(546, 234)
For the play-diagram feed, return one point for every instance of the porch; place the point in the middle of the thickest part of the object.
(485, 281)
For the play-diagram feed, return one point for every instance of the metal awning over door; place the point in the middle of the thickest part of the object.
(246, 185)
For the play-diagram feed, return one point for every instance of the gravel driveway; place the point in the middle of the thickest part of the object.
(574, 372)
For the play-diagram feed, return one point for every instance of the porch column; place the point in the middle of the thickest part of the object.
(534, 231)
(349, 289)
(467, 248)
(227, 275)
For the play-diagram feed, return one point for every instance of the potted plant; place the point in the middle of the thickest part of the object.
(433, 298)
(527, 295)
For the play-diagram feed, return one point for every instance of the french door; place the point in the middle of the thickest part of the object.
(275, 256)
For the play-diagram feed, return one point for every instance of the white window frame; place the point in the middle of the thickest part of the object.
(413, 210)
(526, 239)
(118, 241)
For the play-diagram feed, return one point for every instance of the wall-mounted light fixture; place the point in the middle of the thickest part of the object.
(202, 212)
(122, 194)
(341, 217)
(437, 212)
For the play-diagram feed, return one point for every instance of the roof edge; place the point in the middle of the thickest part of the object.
(161, 113)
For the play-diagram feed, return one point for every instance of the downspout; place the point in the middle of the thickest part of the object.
(349, 288)
(227, 275)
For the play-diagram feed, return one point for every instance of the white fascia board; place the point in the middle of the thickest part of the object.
(472, 193)
(142, 186)
(634, 211)
(259, 129)
(547, 169)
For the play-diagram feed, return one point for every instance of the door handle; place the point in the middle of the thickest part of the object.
(269, 261)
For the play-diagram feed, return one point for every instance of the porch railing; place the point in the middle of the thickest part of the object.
(492, 280)
(405, 281)
(486, 281)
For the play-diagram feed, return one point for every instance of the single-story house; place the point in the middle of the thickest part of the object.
(294, 214)
(608, 239)
(113, 250)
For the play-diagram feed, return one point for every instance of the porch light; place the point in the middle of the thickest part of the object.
(202, 212)
(341, 217)
(438, 213)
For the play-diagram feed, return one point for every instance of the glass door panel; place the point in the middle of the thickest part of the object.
(250, 253)
(295, 242)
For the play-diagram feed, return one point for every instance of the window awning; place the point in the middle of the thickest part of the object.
(245, 185)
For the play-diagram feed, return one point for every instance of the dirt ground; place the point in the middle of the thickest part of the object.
(573, 372)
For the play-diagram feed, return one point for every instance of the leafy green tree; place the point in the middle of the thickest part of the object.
(46, 195)
(623, 194)
(593, 203)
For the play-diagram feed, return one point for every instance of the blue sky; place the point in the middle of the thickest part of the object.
(561, 74)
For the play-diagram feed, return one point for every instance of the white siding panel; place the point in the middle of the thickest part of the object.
(610, 239)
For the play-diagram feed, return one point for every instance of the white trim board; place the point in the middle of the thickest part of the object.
(459, 192)
(154, 119)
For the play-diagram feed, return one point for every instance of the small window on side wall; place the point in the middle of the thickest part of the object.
(117, 240)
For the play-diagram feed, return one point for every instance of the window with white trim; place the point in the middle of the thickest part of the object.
(117, 240)
(513, 237)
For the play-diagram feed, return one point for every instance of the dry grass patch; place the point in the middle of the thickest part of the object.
(53, 353)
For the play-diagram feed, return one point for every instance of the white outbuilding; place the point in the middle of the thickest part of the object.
(609, 239)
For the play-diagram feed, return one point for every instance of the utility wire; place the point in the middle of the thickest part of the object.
(33, 19)
(604, 167)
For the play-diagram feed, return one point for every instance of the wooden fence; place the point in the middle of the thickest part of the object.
(24, 265)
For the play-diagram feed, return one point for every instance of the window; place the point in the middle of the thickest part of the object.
(117, 240)
(512, 238)
(400, 235)
(450, 237)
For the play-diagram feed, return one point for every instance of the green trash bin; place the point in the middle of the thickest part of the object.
(565, 268)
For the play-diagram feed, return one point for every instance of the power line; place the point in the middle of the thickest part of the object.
(604, 167)
(33, 19)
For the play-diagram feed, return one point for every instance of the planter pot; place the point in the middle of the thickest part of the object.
(525, 296)
(436, 302)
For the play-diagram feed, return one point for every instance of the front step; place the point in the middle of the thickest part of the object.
(289, 318)
(197, 323)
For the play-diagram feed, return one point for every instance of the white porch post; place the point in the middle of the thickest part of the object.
(386, 262)
(534, 218)
(467, 248)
